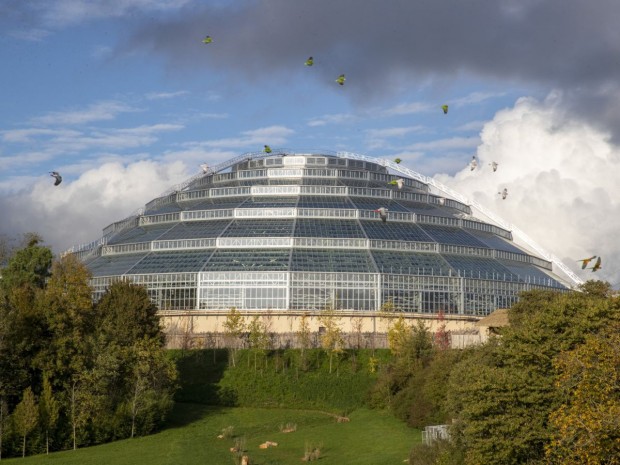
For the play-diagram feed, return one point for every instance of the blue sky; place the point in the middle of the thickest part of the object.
(124, 99)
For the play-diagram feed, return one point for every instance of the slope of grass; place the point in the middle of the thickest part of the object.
(370, 437)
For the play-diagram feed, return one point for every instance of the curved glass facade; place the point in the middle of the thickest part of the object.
(291, 231)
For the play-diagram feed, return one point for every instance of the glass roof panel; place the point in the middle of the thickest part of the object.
(312, 201)
(114, 265)
(141, 234)
(446, 235)
(396, 262)
(248, 260)
(275, 227)
(530, 273)
(196, 229)
(332, 260)
(478, 267)
(328, 228)
(495, 242)
(395, 231)
(171, 262)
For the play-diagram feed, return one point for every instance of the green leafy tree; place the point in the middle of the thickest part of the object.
(502, 395)
(399, 337)
(25, 417)
(70, 320)
(331, 340)
(303, 339)
(586, 426)
(4, 414)
(125, 314)
(151, 387)
(28, 266)
(22, 327)
(49, 410)
(258, 338)
(233, 328)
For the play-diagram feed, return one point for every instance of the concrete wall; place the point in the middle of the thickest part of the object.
(361, 330)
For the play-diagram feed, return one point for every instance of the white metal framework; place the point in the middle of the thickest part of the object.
(300, 232)
(519, 234)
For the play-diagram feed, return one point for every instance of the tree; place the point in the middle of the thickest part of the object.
(28, 266)
(399, 337)
(586, 426)
(70, 321)
(25, 416)
(49, 410)
(503, 394)
(126, 313)
(303, 339)
(442, 338)
(4, 412)
(258, 338)
(151, 387)
(331, 340)
(22, 326)
(233, 328)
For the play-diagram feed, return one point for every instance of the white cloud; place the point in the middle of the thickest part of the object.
(166, 95)
(409, 109)
(377, 138)
(475, 98)
(561, 176)
(393, 132)
(76, 211)
(65, 12)
(471, 126)
(451, 143)
(31, 35)
(100, 111)
(271, 135)
(338, 118)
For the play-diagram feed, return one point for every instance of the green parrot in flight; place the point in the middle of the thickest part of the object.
(341, 79)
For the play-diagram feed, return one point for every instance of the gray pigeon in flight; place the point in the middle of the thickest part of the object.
(58, 177)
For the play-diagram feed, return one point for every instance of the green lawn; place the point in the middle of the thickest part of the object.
(371, 437)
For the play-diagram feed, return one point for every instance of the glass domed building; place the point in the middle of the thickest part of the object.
(298, 232)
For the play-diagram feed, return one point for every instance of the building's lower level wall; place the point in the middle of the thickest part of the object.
(199, 329)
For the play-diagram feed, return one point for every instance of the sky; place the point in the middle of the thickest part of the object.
(124, 99)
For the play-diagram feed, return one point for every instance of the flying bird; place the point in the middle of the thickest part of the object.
(397, 182)
(504, 193)
(442, 201)
(309, 61)
(597, 265)
(397, 160)
(445, 109)
(382, 213)
(58, 177)
(205, 168)
(267, 149)
(341, 79)
(207, 40)
(473, 164)
(586, 261)
(494, 165)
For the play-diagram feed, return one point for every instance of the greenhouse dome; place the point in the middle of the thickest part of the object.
(302, 231)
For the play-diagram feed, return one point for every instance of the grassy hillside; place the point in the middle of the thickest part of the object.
(370, 437)
(276, 379)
